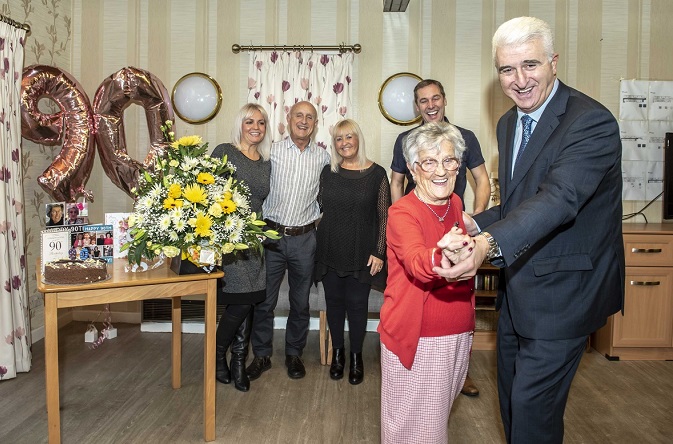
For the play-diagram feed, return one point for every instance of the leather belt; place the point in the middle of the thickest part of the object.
(289, 231)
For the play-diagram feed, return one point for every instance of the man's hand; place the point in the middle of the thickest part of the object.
(470, 225)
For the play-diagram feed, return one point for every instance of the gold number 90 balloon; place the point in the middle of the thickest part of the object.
(114, 95)
(65, 178)
(76, 125)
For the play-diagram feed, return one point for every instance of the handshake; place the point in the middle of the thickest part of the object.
(462, 254)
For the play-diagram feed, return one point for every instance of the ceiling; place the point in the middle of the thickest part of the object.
(395, 5)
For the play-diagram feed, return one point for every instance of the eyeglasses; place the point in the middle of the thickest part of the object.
(430, 165)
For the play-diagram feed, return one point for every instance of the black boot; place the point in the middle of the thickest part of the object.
(222, 373)
(239, 354)
(336, 370)
(357, 370)
(226, 330)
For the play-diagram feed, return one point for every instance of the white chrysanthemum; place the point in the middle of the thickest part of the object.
(173, 236)
(241, 201)
(236, 236)
(156, 191)
(188, 163)
(229, 224)
(145, 202)
(189, 237)
(165, 222)
(179, 225)
(240, 224)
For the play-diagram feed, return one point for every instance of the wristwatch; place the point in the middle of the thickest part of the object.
(493, 253)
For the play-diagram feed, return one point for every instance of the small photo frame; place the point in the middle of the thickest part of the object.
(120, 231)
(54, 213)
(76, 213)
(97, 242)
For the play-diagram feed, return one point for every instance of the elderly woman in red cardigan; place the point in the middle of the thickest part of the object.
(427, 322)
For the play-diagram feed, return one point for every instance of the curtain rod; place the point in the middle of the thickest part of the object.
(9, 21)
(236, 48)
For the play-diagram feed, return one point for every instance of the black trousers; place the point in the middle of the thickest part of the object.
(346, 296)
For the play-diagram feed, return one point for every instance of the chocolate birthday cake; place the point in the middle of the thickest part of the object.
(75, 272)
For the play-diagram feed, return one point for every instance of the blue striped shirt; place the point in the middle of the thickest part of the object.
(295, 179)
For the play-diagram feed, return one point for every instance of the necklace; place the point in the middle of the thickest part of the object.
(441, 218)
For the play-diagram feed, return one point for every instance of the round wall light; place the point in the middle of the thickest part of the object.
(196, 98)
(396, 98)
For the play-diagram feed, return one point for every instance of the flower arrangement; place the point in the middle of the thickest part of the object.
(192, 205)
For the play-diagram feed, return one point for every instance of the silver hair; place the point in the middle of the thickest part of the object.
(520, 30)
(341, 128)
(264, 148)
(428, 137)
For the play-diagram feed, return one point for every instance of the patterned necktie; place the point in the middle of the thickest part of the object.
(527, 124)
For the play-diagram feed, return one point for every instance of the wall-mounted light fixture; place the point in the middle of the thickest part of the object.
(396, 98)
(196, 98)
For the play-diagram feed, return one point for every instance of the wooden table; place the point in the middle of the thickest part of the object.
(160, 283)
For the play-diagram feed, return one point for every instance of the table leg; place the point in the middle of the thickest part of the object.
(209, 362)
(51, 367)
(176, 342)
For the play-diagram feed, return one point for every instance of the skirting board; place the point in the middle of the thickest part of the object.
(197, 327)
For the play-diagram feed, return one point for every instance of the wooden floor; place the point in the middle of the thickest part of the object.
(121, 393)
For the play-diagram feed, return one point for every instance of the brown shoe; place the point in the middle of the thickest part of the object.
(469, 389)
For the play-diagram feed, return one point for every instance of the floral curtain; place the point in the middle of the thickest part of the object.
(14, 315)
(278, 80)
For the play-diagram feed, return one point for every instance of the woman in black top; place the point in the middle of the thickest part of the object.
(351, 241)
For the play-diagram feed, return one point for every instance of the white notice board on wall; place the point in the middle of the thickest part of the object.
(645, 116)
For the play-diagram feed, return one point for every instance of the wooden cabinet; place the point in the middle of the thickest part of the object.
(485, 291)
(645, 330)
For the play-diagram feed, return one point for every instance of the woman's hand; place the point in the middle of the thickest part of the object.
(375, 263)
(456, 246)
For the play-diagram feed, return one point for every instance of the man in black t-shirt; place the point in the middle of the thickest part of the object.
(430, 101)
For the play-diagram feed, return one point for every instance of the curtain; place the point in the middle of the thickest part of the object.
(14, 315)
(278, 80)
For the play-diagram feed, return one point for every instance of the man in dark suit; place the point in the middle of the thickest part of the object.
(556, 234)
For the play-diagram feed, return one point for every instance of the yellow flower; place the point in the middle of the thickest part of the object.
(228, 206)
(179, 203)
(203, 224)
(169, 203)
(196, 194)
(170, 251)
(227, 195)
(215, 210)
(205, 178)
(187, 141)
(174, 190)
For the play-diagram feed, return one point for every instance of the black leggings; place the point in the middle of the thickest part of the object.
(346, 296)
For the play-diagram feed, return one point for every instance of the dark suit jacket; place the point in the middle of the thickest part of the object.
(559, 221)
